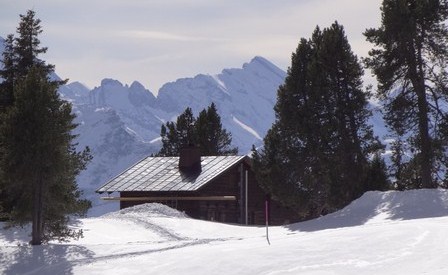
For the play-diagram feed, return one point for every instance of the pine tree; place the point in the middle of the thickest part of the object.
(205, 131)
(212, 139)
(38, 160)
(377, 177)
(283, 166)
(177, 135)
(27, 46)
(20, 55)
(168, 135)
(186, 134)
(315, 156)
(409, 61)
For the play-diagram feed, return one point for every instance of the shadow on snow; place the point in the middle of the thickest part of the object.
(20, 258)
(43, 259)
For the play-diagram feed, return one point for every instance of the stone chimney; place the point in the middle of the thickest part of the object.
(190, 159)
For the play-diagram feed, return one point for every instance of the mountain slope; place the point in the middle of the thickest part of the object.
(244, 98)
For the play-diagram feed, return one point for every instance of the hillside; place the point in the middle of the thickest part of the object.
(380, 233)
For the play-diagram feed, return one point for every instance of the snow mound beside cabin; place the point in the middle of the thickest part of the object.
(148, 210)
(170, 224)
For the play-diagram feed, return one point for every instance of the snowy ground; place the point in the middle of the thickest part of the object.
(381, 233)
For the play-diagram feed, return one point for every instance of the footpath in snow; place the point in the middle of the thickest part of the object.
(380, 233)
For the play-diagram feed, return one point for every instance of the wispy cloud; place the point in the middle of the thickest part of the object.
(158, 35)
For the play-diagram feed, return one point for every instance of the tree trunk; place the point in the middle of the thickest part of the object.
(425, 141)
(37, 233)
(417, 76)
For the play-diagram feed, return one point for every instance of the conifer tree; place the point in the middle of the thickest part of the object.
(38, 160)
(212, 139)
(205, 132)
(186, 134)
(377, 178)
(409, 60)
(20, 55)
(315, 157)
(168, 135)
(27, 46)
(177, 135)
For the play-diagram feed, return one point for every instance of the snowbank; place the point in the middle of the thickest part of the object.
(148, 210)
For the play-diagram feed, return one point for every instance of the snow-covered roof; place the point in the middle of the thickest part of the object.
(163, 174)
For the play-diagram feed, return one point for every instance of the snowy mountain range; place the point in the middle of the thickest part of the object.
(121, 123)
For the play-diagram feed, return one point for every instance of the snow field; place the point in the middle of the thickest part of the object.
(380, 233)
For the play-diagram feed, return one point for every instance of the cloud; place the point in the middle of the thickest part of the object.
(159, 35)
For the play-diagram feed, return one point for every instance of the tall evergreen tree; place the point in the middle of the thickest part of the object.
(409, 60)
(186, 134)
(168, 135)
(39, 163)
(205, 131)
(315, 157)
(177, 135)
(38, 160)
(20, 55)
(27, 45)
(212, 139)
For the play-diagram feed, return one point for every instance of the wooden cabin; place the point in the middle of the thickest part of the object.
(215, 188)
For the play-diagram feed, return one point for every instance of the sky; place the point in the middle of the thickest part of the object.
(159, 41)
